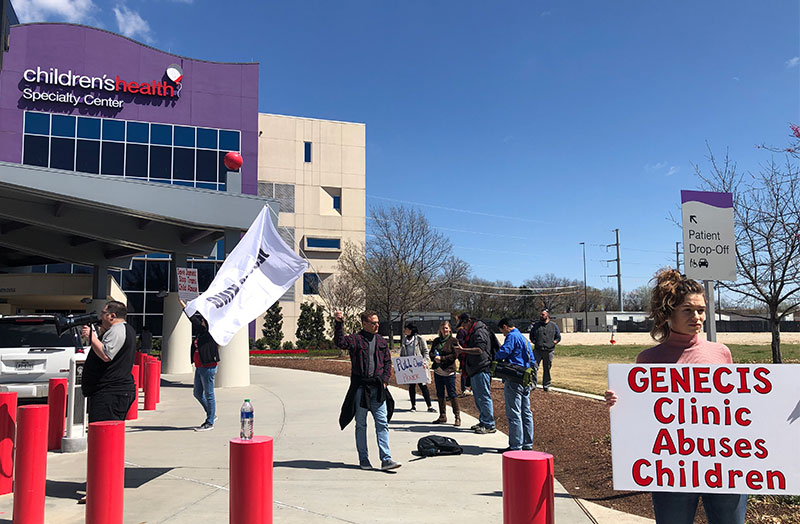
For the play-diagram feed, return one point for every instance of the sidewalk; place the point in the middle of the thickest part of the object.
(176, 475)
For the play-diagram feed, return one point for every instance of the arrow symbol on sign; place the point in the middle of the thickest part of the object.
(693, 219)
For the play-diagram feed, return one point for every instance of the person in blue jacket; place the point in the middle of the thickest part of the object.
(516, 350)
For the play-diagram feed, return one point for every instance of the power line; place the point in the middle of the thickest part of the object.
(458, 210)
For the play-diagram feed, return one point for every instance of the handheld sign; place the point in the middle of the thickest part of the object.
(709, 244)
(411, 370)
(729, 428)
(187, 283)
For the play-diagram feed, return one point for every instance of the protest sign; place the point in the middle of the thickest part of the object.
(187, 283)
(411, 370)
(729, 428)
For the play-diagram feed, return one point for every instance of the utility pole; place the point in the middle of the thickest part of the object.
(619, 271)
(585, 296)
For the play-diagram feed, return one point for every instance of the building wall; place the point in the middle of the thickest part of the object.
(337, 167)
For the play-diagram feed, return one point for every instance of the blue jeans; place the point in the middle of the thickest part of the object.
(448, 382)
(481, 385)
(204, 391)
(518, 413)
(378, 410)
(679, 508)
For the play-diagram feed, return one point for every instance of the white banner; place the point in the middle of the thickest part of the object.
(707, 428)
(253, 277)
(187, 283)
(411, 370)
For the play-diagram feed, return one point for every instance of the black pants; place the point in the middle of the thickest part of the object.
(545, 360)
(426, 394)
(110, 405)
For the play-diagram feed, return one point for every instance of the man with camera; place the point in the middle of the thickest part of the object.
(517, 352)
(107, 380)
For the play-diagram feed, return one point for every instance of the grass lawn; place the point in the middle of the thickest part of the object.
(584, 368)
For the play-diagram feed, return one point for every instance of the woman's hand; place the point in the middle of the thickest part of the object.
(611, 398)
(437, 359)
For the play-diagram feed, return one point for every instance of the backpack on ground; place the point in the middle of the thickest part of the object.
(434, 445)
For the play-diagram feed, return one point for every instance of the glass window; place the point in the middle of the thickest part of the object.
(62, 153)
(323, 243)
(114, 130)
(135, 160)
(206, 138)
(133, 279)
(223, 169)
(337, 203)
(153, 303)
(138, 132)
(63, 125)
(229, 140)
(38, 123)
(206, 165)
(206, 185)
(59, 268)
(161, 134)
(205, 274)
(87, 158)
(135, 320)
(184, 136)
(310, 284)
(88, 127)
(135, 302)
(37, 150)
(155, 323)
(82, 270)
(183, 160)
(160, 162)
(307, 151)
(157, 275)
(113, 158)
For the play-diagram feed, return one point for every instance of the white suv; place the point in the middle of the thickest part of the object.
(32, 352)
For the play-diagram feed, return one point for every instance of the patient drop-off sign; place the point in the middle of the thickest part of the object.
(731, 428)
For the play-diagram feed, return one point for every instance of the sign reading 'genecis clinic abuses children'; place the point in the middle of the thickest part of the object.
(706, 428)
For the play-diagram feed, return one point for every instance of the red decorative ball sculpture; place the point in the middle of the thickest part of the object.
(233, 160)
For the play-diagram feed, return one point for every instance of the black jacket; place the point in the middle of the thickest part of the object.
(478, 337)
(203, 343)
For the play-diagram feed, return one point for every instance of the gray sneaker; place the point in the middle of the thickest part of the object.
(483, 430)
(387, 465)
(476, 426)
(365, 465)
(205, 427)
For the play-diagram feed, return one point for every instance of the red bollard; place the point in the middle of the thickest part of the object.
(31, 465)
(527, 487)
(133, 411)
(8, 430)
(57, 403)
(250, 498)
(151, 381)
(158, 388)
(105, 472)
(142, 361)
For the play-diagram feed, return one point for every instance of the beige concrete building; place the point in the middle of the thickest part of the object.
(316, 169)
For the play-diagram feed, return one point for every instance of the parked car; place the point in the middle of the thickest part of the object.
(32, 352)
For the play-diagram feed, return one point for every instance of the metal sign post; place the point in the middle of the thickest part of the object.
(75, 439)
(711, 316)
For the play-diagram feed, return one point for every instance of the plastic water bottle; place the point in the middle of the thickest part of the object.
(247, 420)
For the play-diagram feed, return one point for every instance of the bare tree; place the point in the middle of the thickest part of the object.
(766, 222)
(638, 299)
(403, 266)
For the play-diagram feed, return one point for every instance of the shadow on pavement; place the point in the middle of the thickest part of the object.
(313, 464)
(160, 428)
(64, 490)
(172, 384)
(137, 477)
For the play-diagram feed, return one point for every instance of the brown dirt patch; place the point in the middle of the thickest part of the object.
(575, 430)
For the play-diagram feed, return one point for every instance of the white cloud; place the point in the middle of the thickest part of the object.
(672, 170)
(546, 13)
(659, 167)
(655, 167)
(131, 24)
(793, 62)
(74, 11)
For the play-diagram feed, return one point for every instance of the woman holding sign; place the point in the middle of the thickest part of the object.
(415, 345)
(678, 310)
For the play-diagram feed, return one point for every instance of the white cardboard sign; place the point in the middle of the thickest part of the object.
(187, 283)
(411, 370)
(707, 428)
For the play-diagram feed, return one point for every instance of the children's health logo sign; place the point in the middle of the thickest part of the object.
(411, 370)
(187, 283)
(712, 429)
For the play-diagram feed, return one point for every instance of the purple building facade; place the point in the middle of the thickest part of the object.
(131, 110)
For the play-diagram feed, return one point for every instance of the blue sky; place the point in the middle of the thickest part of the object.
(519, 128)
